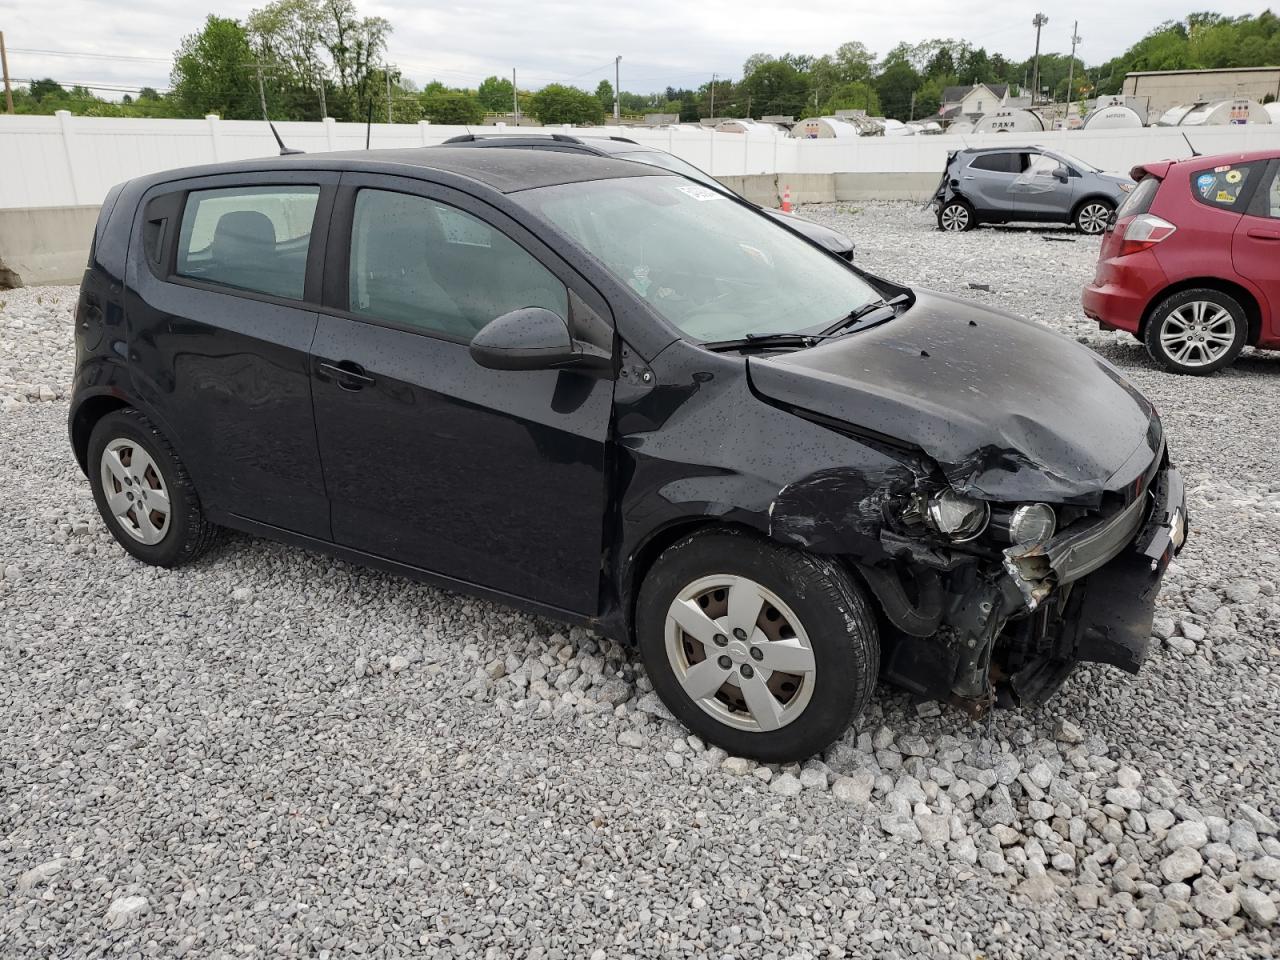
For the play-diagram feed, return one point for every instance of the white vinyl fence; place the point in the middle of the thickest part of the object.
(65, 160)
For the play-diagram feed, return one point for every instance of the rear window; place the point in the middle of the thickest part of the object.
(998, 162)
(1222, 186)
(1139, 201)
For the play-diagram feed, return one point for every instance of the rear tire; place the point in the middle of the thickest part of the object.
(143, 492)
(776, 651)
(1196, 331)
(1093, 216)
(956, 216)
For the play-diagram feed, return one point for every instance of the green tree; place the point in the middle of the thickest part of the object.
(452, 106)
(46, 88)
(775, 87)
(495, 94)
(604, 93)
(557, 103)
(858, 95)
(895, 84)
(212, 73)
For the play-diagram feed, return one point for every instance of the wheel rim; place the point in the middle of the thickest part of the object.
(1093, 218)
(135, 491)
(1198, 333)
(955, 217)
(740, 653)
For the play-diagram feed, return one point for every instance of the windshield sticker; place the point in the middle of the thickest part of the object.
(1205, 181)
(1234, 176)
(1224, 197)
(699, 193)
(1222, 169)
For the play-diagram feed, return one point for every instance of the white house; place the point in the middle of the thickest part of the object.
(972, 101)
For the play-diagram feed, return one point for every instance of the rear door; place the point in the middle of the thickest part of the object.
(224, 278)
(491, 477)
(988, 182)
(1255, 246)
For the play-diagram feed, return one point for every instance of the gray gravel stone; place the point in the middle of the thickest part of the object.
(1257, 906)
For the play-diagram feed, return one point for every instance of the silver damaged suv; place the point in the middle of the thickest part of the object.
(1005, 184)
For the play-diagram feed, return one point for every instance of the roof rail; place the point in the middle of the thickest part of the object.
(565, 138)
(625, 140)
(461, 138)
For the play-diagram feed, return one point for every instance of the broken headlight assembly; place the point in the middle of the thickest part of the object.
(1032, 523)
(957, 517)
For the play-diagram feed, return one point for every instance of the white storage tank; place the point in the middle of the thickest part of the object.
(896, 128)
(1111, 118)
(1010, 120)
(1237, 111)
(824, 128)
(1273, 111)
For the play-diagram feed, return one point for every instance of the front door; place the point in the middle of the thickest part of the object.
(223, 286)
(494, 478)
(1038, 192)
(1255, 247)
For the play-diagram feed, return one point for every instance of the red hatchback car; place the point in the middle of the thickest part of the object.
(1191, 262)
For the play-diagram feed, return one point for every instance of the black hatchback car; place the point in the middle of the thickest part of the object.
(611, 395)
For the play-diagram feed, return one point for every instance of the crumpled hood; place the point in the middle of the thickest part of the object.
(1009, 410)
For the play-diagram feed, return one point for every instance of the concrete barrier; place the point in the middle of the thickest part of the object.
(45, 244)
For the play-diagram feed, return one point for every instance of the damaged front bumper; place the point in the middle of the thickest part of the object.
(1086, 594)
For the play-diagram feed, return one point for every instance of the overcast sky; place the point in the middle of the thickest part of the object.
(662, 42)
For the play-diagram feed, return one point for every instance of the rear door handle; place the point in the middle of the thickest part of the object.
(969, 176)
(1262, 234)
(349, 374)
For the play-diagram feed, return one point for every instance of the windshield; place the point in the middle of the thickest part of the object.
(1072, 161)
(667, 161)
(713, 267)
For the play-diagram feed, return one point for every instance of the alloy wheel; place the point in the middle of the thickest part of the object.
(740, 653)
(955, 218)
(1093, 218)
(1197, 333)
(135, 491)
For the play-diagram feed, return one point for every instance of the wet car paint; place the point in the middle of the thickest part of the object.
(819, 449)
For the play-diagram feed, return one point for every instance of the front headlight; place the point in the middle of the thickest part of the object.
(957, 517)
(1032, 523)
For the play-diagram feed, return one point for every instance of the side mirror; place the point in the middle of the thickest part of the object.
(1062, 174)
(533, 338)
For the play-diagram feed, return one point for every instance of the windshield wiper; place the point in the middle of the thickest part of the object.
(765, 341)
(862, 317)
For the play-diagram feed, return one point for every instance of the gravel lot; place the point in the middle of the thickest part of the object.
(278, 753)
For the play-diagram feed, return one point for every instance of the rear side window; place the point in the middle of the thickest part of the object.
(425, 265)
(1224, 186)
(998, 162)
(250, 238)
(1140, 198)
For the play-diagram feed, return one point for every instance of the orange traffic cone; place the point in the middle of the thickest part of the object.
(786, 199)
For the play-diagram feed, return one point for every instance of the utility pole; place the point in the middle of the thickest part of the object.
(913, 104)
(1038, 21)
(1071, 69)
(4, 66)
(262, 94)
(515, 98)
(713, 96)
(617, 89)
(388, 75)
(324, 108)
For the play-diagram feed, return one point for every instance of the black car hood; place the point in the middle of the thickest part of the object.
(1009, 410)
(829, 239)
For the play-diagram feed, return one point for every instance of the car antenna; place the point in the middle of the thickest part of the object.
(368, 125)
(1194, 151)
(284, 151)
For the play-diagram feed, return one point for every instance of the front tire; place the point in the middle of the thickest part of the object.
(956, 216)
(1093, 216)
(1196, 331)
(764, 651)
(143, 492)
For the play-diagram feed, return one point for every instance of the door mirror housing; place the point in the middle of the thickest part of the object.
(534, 338)
(1062, 174)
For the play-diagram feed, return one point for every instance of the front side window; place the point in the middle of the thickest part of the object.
(1042, 165)
(249, 238)
(428, 266)
(712, 267)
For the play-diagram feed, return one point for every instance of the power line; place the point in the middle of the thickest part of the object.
(89, 86)
(90, 56)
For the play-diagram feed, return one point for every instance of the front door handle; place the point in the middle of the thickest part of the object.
(1261, 234)
(349, 374)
